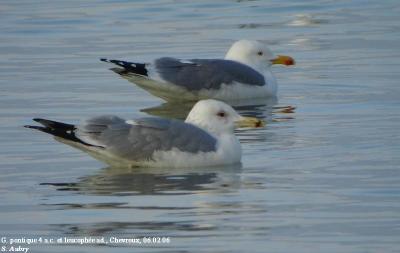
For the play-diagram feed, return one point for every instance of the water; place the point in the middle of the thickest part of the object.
(322, 179)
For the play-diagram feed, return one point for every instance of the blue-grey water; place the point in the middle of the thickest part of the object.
(325, 178)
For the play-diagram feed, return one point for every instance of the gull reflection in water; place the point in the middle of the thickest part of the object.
(124, 181)
(141, 200)
(260, 108)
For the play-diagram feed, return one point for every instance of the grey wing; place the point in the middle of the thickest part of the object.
(139, 140)
(199, 74)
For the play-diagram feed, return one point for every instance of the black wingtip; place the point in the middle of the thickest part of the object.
(40, 128)
(128, 67)
(43, 128)
(38, 119)
(58, 129)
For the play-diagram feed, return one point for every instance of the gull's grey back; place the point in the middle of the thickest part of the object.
(140, 140)
(199, 74)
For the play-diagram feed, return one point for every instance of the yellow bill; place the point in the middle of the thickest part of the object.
(283, 59)
(249, 122)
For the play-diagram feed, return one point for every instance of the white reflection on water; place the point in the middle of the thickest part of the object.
(153, 181)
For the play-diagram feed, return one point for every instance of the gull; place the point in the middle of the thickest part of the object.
(205, 138)
(244, 73)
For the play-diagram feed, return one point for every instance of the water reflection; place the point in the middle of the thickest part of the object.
(306, 20)
(133, 204)
(133, 228)
(260, 108)
(120, 181)
(170, 110)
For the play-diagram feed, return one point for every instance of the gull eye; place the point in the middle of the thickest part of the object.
(221, 114)
(260, 53)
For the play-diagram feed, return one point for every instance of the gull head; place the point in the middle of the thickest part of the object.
(256, 55)
(219, 118)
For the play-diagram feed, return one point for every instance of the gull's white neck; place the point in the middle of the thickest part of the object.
(271, 86)
(245, 60)
(206, 127)
(228, 146)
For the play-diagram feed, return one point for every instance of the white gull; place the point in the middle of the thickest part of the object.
(205, 138)
(244, 73)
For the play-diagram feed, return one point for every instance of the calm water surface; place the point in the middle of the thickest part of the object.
(322, 179)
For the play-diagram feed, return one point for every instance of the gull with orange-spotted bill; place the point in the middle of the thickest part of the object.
(244, 73)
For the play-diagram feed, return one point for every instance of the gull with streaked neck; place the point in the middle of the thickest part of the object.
(244, 73)
(205, 138)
